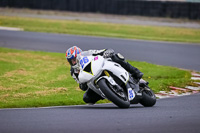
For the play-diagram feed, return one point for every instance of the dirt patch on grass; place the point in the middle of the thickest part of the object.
(40, 93)
(28, 55)
(5, 89)
(6, 97)
(60, 89)
(3, 97)
(17, 72)
(77, 88)
(22, 95)
(12, 54)
(61, 77)
(8, 60)
(47, 92)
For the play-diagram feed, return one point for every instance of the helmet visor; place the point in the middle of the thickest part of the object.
(72, 61)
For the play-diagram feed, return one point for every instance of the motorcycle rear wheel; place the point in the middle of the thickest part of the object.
(112, 96)
(148, 97)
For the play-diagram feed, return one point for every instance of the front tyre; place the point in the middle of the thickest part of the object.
(121, 102)
(148, 97)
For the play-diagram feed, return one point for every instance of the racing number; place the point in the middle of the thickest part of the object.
(130, 94)
(83, 61)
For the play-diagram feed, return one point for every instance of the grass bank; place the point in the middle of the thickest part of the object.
(103, 29)
(35, 79)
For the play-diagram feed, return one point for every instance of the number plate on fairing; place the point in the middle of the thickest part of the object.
(131, 94)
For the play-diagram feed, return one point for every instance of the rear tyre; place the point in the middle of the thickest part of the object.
(148, 97)
(121, 102)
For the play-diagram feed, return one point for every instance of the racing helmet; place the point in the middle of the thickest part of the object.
(71, 56)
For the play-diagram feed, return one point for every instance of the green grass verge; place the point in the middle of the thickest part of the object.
(35, 79)
(103, 29)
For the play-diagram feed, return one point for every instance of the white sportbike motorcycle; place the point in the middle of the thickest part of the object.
(113, 82)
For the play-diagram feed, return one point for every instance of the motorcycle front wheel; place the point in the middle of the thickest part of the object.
(121, 100)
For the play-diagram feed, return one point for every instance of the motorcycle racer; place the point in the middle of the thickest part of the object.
(72, 57)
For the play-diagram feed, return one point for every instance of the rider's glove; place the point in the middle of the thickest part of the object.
(108, 53)
(83, 86)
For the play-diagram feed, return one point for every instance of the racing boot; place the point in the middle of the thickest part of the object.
(136, 73)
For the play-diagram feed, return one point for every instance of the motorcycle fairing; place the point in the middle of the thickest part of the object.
(117, 70)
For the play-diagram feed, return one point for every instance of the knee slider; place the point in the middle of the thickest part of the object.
(121, 57)
(118, 58)
(86, 99)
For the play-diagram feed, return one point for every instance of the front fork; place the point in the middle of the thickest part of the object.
(133, 90)
(131, 86)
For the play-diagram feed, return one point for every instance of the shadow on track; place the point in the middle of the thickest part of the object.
(101, 106)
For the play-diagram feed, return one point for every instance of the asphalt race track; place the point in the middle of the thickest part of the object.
(163, 53)
(177, 115)
(172, 115)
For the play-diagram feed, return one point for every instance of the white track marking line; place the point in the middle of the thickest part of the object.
(11, 28)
